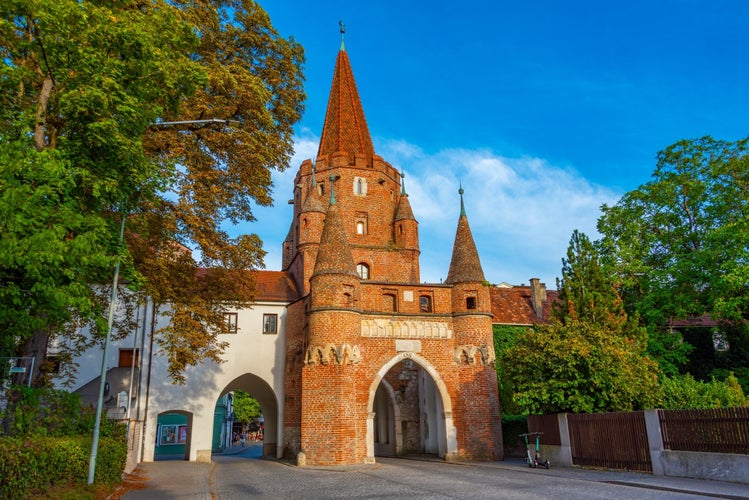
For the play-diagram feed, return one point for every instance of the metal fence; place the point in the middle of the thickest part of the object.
(610, 440)
(720, 430)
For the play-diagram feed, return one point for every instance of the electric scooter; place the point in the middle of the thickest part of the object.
(534, 461)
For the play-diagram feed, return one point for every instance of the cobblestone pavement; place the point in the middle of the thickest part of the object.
(241, 475)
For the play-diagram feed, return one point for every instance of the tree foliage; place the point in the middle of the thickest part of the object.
(684, 392)
(678, 244)
(580, 367)
(245, 407)
(81, 84)
(591, 358)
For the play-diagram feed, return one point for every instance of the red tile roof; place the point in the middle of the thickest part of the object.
(275, 286)
(345, 128)
(512, 306)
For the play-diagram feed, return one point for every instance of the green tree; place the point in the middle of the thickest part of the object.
(591, 358)
(82, 84)
(505, 337)
(580, 367)
(678, 244)
(684, 392)
(245, 407)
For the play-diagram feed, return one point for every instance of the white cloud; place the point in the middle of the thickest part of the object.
(522, 211)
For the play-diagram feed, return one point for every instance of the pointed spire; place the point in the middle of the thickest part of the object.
(465, 265)
(345, 127)
(343, 31)
(334, 252)
(462, 207)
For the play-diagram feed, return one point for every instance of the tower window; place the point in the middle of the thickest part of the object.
(360, 186)
(362, 270)
(425, 303)
(470, 302)
(361, 222)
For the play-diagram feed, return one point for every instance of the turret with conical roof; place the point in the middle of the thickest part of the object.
(465, 265)
(406, 231)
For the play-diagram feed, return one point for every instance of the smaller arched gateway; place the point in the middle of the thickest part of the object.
(409, 410)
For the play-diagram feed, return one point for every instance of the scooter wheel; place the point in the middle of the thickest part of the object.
(547, 465)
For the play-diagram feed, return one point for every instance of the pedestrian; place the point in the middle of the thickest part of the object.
(242, 438)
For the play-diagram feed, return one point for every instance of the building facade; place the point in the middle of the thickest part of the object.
(349, 354)
(378, 362)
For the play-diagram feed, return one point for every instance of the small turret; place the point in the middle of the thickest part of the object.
(465, 265)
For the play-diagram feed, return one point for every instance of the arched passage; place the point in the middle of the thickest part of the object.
(263, 393)
(173, 435)
(431, 410)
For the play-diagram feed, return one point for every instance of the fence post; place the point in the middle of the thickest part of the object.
(655, 442)
(565, 451)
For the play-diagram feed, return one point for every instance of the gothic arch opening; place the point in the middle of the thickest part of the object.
(409, 410)
(225, 422)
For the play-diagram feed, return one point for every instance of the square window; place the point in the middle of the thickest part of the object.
(270, 324)
(230, 323)
(128, 358)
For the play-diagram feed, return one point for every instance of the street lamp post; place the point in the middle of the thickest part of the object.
(112, 306)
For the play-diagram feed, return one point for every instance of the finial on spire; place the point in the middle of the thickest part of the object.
(332, 190)
(462, 207)
(314, 181)
(403, 183)
(343, 30)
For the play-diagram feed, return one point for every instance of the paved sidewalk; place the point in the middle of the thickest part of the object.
(177, 479)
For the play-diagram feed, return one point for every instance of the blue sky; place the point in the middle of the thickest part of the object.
(544, 110)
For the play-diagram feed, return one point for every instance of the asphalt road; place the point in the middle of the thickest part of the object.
(241, 476)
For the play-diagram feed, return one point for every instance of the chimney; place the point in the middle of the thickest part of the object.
(538, 297)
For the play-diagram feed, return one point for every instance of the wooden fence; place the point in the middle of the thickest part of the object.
(721, 430)
(548, 425)
(610, 440)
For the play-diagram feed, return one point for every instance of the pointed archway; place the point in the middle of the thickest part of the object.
(398, 422)
(272, 415)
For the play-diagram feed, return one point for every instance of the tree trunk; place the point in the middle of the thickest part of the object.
(41, 114)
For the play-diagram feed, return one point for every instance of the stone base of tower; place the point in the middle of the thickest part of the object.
(481, 436)
(333, 420)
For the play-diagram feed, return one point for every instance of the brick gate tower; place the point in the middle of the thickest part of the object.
(378, 363)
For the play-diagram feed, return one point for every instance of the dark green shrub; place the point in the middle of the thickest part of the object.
(512, 427)
(31, 465)
(45, 412)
